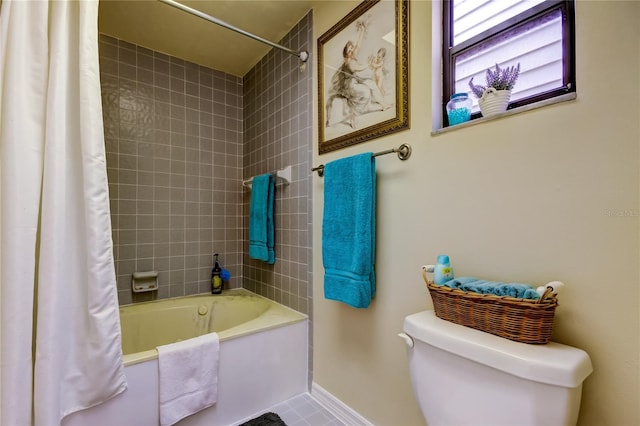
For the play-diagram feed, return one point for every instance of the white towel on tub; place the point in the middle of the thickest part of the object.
(188, 372)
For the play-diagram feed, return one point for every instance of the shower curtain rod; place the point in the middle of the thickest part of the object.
(303, 54)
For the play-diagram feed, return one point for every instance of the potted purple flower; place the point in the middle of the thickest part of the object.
(493, 98)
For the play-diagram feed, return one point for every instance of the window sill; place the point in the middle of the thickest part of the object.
(508, 113)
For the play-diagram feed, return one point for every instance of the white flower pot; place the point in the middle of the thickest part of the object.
(494, 101)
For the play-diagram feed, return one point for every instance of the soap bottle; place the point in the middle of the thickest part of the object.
(443, 271)
(216, 277)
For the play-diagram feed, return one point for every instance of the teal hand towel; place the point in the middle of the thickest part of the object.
(261, 227)
(348, 230)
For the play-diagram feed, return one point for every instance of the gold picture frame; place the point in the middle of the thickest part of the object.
(363, 75)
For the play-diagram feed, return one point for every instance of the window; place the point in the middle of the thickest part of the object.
(538, 34)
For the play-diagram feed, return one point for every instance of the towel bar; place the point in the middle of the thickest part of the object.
(283, 177)
(403, 151)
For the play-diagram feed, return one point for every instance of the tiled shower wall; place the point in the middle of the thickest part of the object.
(174, 141)
(278, 133)
(180, 138)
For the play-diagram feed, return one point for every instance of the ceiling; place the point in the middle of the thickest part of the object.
(163, 28)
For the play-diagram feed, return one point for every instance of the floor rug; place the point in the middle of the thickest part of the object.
(267, 419)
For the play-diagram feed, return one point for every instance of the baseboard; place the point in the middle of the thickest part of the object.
(338, 408)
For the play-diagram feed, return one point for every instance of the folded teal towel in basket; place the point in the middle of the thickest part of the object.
(517, 290)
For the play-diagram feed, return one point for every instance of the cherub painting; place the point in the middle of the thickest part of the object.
(358, 69)
(357, 87)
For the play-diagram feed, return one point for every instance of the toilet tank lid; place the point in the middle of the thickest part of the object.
(553, 363)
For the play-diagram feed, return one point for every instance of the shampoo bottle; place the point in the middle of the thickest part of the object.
(443, 271)
(216, 277)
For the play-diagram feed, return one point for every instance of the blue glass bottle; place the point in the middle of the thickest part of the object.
(459, 108)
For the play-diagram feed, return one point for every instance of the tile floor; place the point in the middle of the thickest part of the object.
(303, 410)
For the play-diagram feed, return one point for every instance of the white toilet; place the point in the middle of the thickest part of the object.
(463, 376)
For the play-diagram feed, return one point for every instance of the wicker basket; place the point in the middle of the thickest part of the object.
(521, 320)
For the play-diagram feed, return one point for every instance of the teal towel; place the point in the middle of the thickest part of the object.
(261, 228)
(348, 230)
(517, 290)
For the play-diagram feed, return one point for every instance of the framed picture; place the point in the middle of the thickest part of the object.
(363, 79)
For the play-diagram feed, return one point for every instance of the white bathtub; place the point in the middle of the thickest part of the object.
(263, 357)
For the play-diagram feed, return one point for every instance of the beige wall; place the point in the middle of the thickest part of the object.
(522, 198)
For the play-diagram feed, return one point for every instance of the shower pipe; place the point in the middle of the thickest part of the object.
(403, 151)
(303, 55)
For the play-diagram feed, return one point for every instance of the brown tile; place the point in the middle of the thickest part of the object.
(161, 263)
(161, 80)
(160, 65)
(127, 71)
(178, 126)
(127, 56)
(144, 251)
(108, 66)
(161, 94)
(145, 222)
(177, 89)
(144, 236)
(144, 207)
(145, 76)
(192, 102)
(144, 59)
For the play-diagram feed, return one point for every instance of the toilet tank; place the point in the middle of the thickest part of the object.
(463, 376)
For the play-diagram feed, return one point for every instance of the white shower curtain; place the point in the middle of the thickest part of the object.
(59, 325)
